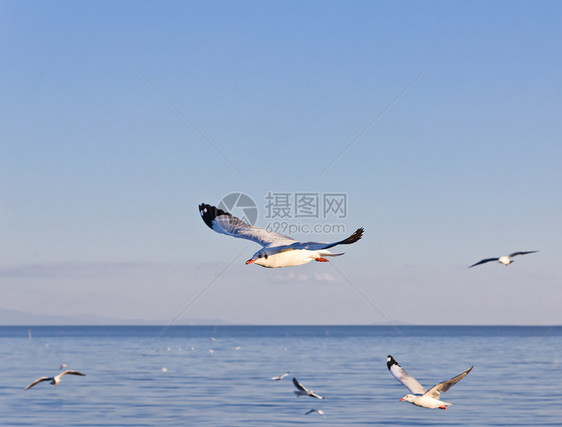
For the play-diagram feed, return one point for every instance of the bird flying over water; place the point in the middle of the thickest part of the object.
(312, 411)
(421, 396)
(303, 391)
(278, 250)
(54, 380)
(280, 377)
(505, 260)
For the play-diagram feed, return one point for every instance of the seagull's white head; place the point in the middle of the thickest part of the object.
(259, 258)
(408, 398)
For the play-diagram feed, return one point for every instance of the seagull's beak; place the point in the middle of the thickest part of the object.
(250, 261)
(402, 400)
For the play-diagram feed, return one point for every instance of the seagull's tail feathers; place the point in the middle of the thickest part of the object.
(328, 253)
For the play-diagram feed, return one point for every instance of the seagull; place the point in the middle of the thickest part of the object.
(280, 377)
(505, 260)
(303, 391)
(318, 411)
(421, 396)
(54, 380)
(278, 250)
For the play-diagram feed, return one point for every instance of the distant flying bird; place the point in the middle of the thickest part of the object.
(505, 260)
(318, 411)
(54, 380)
(303, 391)
(421, 396)
(280, 377)
(278, 250)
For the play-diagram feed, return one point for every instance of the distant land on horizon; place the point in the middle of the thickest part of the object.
(21, 318)
(10, 317)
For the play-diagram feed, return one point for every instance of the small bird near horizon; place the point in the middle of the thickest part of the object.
(54, 380)
(303, 391)
(505, 260)
(421, 396)
(278, 250)
(318, 411)
(280, 377)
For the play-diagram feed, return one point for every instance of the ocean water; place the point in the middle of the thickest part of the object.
(516, 380)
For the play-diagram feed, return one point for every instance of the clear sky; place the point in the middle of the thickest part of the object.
(101, 171)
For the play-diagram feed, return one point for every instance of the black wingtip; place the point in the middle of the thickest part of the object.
(390, 362)
(353, 238)
(209, 213)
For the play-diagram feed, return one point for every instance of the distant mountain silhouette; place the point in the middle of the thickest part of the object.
(10, 317)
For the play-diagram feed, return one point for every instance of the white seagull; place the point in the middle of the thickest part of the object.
(505, 260)
(421, 396)
(54, 380)
(278, 250)
(303, 391)
(280, 377)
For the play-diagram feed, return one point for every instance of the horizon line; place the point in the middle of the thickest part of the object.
(278, 325)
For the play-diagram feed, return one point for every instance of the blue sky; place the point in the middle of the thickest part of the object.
(100, 176)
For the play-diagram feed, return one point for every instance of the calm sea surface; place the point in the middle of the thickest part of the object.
(517, 378)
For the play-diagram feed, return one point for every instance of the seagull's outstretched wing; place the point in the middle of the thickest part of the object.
(446, 385)
(484, 261)
(225, 223)
(316, 246)
(312, 411)
(70, 372)
(521, 253)
(317, 396)
(304, 391)
(280, 377)
(401, 375)
(37, 381)
(299, 386)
